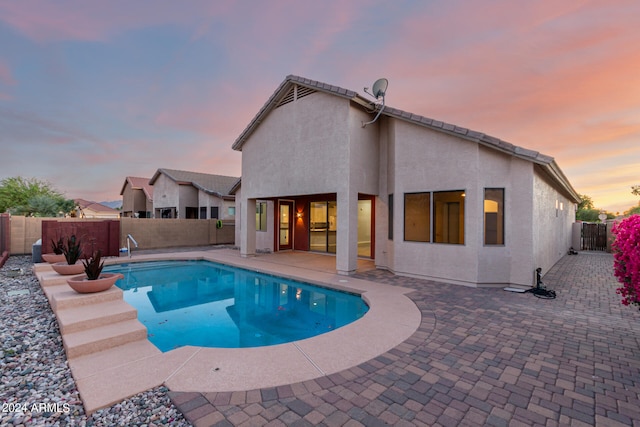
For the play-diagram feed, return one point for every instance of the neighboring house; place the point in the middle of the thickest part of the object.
(137, 198)
(89, 209)
(419, 196)
(183, 194)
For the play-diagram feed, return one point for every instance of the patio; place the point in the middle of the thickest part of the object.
(480, 357)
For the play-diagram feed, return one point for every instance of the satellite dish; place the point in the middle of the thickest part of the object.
(379, 91)
(380, 87)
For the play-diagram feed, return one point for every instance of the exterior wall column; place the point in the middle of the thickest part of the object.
(248, 228)
(347, 236)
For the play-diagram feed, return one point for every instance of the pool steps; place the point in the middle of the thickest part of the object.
(89, 323)
(103, 337)
(76, 319)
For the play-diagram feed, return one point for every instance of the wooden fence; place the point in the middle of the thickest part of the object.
(594, 237)
(22, 232)
(93, 235)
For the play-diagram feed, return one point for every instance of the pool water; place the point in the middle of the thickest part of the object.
(201, 303)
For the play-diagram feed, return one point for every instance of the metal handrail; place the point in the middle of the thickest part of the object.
(130, 239)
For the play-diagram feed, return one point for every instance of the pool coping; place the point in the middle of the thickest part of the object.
(111, 375)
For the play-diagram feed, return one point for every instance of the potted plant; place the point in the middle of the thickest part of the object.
(94, 280)
(72, 251)
(58, 252)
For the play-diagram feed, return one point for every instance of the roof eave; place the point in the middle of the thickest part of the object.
(555, 173)
(156, 176)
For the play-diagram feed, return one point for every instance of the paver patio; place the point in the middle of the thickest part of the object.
(480, 357)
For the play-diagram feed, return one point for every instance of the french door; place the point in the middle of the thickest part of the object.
(285, 225)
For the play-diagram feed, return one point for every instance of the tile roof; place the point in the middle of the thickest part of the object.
(93, 206)
(547, 163)
(219, 185)
(138, 183)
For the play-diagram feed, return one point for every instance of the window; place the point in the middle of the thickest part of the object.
(417, 217)
(232, 211)
(494, 216)
(214, 213)
(390, 224)
(203, 212)
(448, 217)
(436, 217)
(261, 216)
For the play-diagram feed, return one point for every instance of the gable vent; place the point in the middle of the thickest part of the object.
(296, 92)
(304, 91)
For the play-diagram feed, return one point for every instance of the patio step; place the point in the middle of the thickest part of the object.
(70, 298)
(41, 266)
(97, 339)
(83, 317)
(51, 278)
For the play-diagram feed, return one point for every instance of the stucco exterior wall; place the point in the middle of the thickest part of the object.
(300, 148)
(553, 216)
(165, 193)
(128, 200)
(427, 161)
(364, 153)
(139, 201)
(209, 200)
(510, 263)
(134, 200)
(384, 247)
(188, 197)
(264, 239)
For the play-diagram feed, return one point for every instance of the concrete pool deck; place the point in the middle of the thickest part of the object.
(111, 359)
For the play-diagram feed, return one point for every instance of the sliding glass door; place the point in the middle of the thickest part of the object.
(323, 226)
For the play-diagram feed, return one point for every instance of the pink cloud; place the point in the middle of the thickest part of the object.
(98, 21)
(6, 76)
(218, 109)
(528, 79)
(40, 130)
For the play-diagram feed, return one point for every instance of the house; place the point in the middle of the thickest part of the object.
(89, 209)
(420, 197)
(192, 195)
(137, 197)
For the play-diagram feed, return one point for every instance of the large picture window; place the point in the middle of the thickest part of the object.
(417, 217)
(448, 217)
(436, 217)
(494, 216)
(261, 216)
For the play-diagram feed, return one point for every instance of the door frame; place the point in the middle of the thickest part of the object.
(291, 205)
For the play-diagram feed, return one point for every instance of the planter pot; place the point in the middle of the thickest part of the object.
(68, 269)
(83, 285)
(53, 258)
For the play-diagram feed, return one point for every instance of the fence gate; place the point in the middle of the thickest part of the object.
(594, 237)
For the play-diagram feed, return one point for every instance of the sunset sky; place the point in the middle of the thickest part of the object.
(92, 92)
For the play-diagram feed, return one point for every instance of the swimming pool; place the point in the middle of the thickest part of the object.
(206, 304)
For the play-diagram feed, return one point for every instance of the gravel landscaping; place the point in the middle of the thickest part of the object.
(36, 388)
